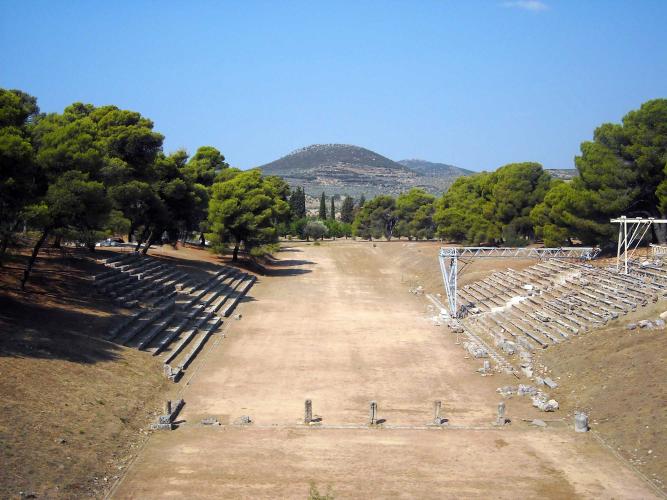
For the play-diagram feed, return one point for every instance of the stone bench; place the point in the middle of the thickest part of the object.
(189, 335)
(238, 295)
(208, 329)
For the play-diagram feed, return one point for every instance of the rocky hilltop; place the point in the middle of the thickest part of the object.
(346, 169)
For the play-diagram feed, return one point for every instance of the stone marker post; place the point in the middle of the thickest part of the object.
(580, 422)
(167, 407)
(374, 413)
(501, 413)
(308, 414)
(437, 406)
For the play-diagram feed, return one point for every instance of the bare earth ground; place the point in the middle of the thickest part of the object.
(74, 407)
(337, 324)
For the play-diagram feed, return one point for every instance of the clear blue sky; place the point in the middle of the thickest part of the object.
(473, 83)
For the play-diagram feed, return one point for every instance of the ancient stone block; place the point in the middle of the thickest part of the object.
(437, 417)
(308, 413)
(580, 422)
(501, 419)
(373, 413)
(550, 383)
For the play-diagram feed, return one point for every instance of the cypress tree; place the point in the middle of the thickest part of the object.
(332, 213)
(362, 200)
(302, 205)
(294, 203)
(323, 207)
(347, 210)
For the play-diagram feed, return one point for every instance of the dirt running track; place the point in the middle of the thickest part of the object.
(336, 324)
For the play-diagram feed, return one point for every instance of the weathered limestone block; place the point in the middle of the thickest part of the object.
(507, 347)
(437, 417)
(475, 350)
(542, 402)
(486, 368)
(580, 422)
(550, 383)
(308, 413)
(526, 390)
(501, 419)
(506, 391)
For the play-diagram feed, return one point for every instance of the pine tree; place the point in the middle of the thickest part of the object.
(347, 210)
(332, 212)
(323, 207)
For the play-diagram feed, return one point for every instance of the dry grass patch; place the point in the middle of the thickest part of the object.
(74, 406)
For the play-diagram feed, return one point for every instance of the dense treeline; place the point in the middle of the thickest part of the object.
(622, 171)
(91, 172)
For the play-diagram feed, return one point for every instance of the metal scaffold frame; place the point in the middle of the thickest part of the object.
(449, 262)
(629, 238)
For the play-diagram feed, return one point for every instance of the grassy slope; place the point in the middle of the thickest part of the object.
(74, 406)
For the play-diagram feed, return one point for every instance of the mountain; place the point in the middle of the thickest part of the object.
(564, 174)
(430, 169)
(345, 169)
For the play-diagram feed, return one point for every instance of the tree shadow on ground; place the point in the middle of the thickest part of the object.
(288, 267)
(289, 249)
(194, 268)
(286, 272)
(31, 330)
(59, 315)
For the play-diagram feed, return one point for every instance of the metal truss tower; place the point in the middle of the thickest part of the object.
(449, 262)
(629, 238)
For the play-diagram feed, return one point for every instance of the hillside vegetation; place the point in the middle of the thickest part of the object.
(337, 169)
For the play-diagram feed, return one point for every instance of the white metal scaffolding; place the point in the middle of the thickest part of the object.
(631, 232)
(449, 262)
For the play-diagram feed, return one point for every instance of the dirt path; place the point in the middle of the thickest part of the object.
(336, 325)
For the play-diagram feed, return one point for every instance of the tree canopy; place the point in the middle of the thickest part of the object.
(621, 172)
(246, 209)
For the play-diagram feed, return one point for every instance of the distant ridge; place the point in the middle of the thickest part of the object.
(340, 169)
(435, 169)
(564, 174)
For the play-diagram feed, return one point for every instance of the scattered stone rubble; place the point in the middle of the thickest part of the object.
(210, 421)
(476, 350)
(243, 420)
(539, 399)
(542, 402)
(486, 368)
(658, 324)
